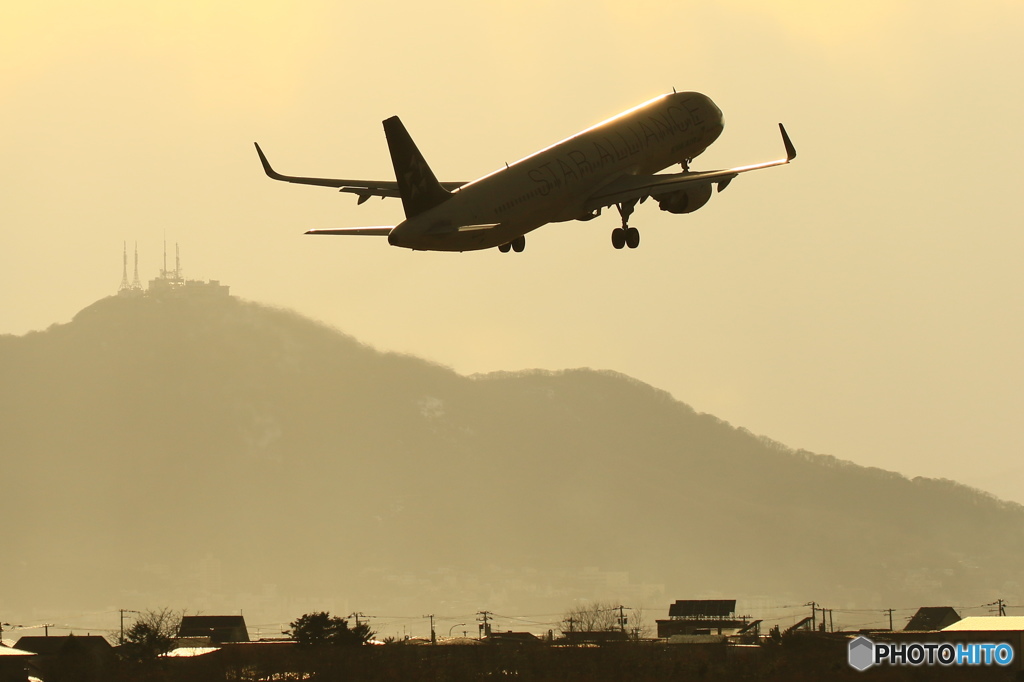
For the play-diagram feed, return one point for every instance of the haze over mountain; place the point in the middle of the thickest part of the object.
(215, 454)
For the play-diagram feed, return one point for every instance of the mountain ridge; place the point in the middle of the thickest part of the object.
(196, 451)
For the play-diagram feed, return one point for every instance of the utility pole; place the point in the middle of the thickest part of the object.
(433, 637)
(484, 629)
(831, 625)
(1002, 607)
(124, 611)
(814, 617)
(622, 619)
(890, 619)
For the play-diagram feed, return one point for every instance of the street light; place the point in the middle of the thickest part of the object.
(452, 628)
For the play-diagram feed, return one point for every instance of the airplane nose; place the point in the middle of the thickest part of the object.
(714, 113)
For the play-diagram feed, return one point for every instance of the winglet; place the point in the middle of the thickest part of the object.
(322, 182)
(790, 149)
(266, 164)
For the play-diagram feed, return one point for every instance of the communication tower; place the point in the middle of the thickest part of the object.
(124, 275)
(136, 284)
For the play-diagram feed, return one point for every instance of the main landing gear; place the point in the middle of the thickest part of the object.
(626, 235)
(517, 245)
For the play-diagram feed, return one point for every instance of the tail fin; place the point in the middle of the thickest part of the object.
(417, 185)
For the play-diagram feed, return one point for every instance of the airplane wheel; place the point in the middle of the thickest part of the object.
(632, 237)
(518, 244)
(618, 237)
(505, 248)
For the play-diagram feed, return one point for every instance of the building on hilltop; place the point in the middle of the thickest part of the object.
(169, 282)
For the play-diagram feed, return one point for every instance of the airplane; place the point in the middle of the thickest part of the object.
(614, 163)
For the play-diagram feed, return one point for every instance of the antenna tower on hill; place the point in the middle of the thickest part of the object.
(136, 284)
(124, 276)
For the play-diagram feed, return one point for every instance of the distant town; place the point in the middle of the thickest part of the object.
(703, 638)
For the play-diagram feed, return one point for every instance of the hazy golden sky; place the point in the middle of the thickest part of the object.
(865, 301)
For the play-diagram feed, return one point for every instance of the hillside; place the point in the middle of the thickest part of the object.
(218, 454)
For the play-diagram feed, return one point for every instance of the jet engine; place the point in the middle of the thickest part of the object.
(685, 200)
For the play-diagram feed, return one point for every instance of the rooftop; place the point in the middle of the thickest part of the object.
(987, 624)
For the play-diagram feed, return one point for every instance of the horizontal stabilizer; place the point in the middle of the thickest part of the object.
(382, 231)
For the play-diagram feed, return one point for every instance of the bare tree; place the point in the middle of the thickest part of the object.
(597, 616)
(639, 627)
(152, 633)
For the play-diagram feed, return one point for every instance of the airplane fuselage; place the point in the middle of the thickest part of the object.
(616, 163)
(554, 184)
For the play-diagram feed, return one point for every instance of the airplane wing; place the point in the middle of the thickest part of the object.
(364, 189)
(633, 187)
(383, 231)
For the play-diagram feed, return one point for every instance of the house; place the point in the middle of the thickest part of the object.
(58, 656)
(933, 618)
(12, 664)
(90, 645)
(990, 629)
(206, 630)
(509, 637)
(1014, 624)
(577, 637)
(717, 617)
